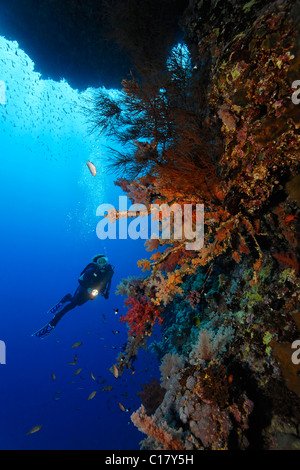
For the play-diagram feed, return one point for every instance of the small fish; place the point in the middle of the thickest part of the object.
(115, 371)
(116, 310)
(92, 168)
(107, 388)
(71, 363)
(115, 332)
(92, 395)
(33, 430)
(122, 408)
(75, 345)
(92, 376)
(77, 371)
(53, 376)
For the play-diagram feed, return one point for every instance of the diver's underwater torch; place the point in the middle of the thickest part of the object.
(93, 293)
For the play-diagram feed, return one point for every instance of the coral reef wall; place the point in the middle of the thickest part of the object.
(219, 128)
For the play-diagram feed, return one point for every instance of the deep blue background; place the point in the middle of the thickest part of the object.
(48, 235)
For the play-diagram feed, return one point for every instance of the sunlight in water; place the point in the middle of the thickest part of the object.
(42, 121)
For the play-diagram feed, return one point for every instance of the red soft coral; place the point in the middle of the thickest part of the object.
(141, 315)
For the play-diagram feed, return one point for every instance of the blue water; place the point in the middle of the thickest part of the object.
(48, 235)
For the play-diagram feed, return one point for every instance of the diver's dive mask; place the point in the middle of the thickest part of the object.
(102, 261)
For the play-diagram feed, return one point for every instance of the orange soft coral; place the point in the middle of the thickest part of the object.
(160, 433)
(288, 260)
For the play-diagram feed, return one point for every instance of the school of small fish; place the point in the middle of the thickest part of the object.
(106, 388)
(24, 115)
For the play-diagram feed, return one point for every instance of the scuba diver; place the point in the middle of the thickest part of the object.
(95, 279)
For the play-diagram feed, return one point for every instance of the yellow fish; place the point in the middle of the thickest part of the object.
(33, 430)
(122, 408)
(115, 371)
(92, 376)
(53, 376)
(75, 345)
(77, 372)
(74, 362)
(92, 395)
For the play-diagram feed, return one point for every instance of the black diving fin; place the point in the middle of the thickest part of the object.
(56, 307)
(45, 331)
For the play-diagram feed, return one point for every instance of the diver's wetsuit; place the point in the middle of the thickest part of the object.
(92, 277)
